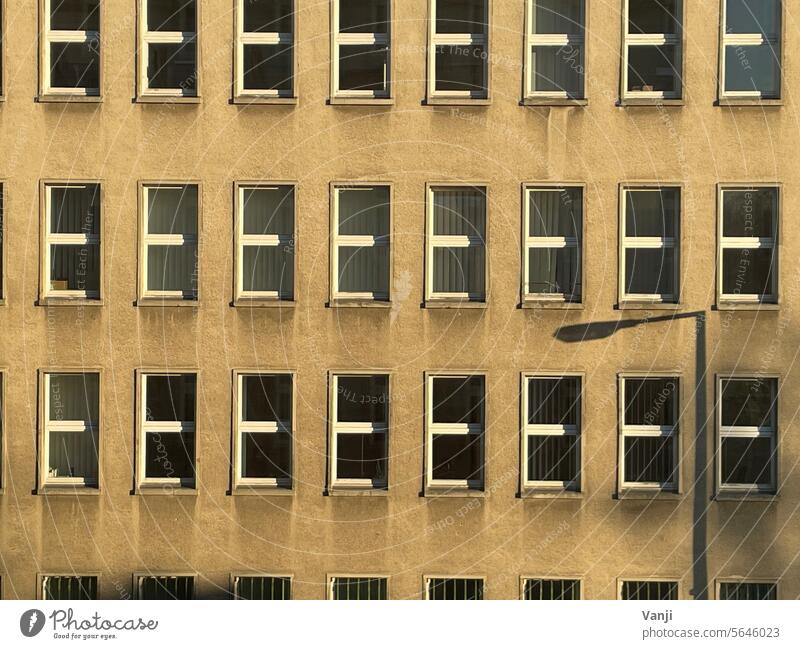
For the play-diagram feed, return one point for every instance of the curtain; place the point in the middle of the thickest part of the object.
(460, 212)
(553, 401)
(74, 210)
(75, 267)
(73, 397)
(555, 214)
(172, 268)
(172, 210)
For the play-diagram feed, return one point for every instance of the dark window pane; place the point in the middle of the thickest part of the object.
(364, 16)
(461, 68)
(173, 268)
(652, 590)
(553, 458)
(458, 399)
(166, 588)
(363, 67)
(455, 589)
(749, 212)
(363, 210)
(75, 15)
(459, 212)
(556, 213)
(650, 459)
(457, 457)
(558, 68)
(267, 397)
(172, 66)
(267, 455)
(74, 397)
(753, 16)
(460, 270)
(557, 17)
(170, 397)
(554, 270)
(359, 588)
(75, 209)
(274, 588)
(170, 455)
(650, 271)
(753, 68)
(75, 268)
(172, 210)
(268, 67)
(73, 454)
(748, 271)
(268, 268)
(554, 400)
(74, 65)
(653, 16)
(361, 456)
(69, 588)
(650, 402)
(364, 270)
(552, 589)
(651, 213)
(268, 16)
(747, 460)
(268, 210)
(461, 17)
(748, 590)
(748, 402)
(171, 15)
(362, 399)
(653, 68)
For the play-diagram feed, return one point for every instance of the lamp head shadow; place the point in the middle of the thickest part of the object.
(605, 329)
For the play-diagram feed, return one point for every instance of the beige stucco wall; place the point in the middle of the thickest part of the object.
(400, 534)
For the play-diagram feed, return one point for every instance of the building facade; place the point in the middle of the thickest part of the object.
(441, 298)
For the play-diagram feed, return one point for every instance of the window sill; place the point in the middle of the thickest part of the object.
(542, 493)
(66, 490)
(360, 101)
(150, 302)
(452, 492)
(550, 304)
(453, 304)
(69, 301)
(167, 99)
(632, 305)
(747, 101)
(361, 492)
(165, 490)
(261, 490)
(256, 303)
(747, 306)
(247, 100)
(647, 494)
(649, 101)
(552, 101)
(738, 496)
(68, 99)
(456, 101)
(340, 303)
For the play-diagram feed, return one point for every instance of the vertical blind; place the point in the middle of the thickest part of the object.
(172, 211)
(73, 453)
(459, 269)
(74, 210)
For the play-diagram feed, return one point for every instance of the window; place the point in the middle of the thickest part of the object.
(361, 49)
(262, 587)
(456, 255)
(357, 587)
(753, 590)
(748, 429)
(169, 262)
(361, 235)
(456, 422)
(2, 223)
(649, 255)
(554, 53)
(264, 59)
(69, 587)
(551, 589)
(648, 590)
(751, 49)
(265, 242)
(458, 53)
(167, 429)
(2, 431)
(264, 430)
(359, 430)
(71, 416)
(445, 588)
(72, 253)
(652, 65)
(70, 48)
(551, 431)
(649, 433)
(748, 254)
(164, 587)
(553, 238)
(168, 49)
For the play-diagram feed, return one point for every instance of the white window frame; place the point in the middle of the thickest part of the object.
(163, 428)
(360, 428)
(426, 584)
(548, 243)
(431, 429)
(534, 39)
(236, 577)
(770, 431)
(631, 430)
(362, 241)
(261, 38)
(66, 426)
(71, 238)
(52, 36)
(167, 240)
(277, 427)
(551, 430)
(455, 241)
(675, 40)
(465, 40)
(737, 40)
(649, 580)
(360, 38)
(632, 243)
(147, 38)
(262, 240)
(331, 584)
(749, 243)
(139, 577)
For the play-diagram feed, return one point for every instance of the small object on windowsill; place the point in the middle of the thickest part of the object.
(59, 285)
(647, 88)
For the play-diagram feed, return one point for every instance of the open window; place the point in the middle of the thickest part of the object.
(361, 47)
(164, 586)
(747, 590)
(453, 588)
(551, 589)
(168, 49)
(70, 49)
(68, 587)
(648, 590)
(269, 587)
(357, 587)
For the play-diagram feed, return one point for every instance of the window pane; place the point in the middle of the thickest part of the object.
(747, 460)
(363, 210)
(171, 15)
(74, 397)
(268, 16)
(267, 455)
(651, 213)
(749, 212)
(653, 68)
(653, 590)
(172, 210)
(173, 268)
(362, 399)
(364, 270)
(553, 457)
(650, 402)
(650, 271)
(457, 457)
(172, 66)
(460, 270)
(752, 16)
(752, 68)
(74, 65)
(75, 15)
(75, 268)
(73, 454)
(267, 397)
(555, 213)
(557, 68)
(458, 400)
(653, 16)
(748, 590)
(170, 398)
(69, 588)
(748, 402)
(364, 16)
(361, 456)
(75, 209)
(268, 210)
(169, 455)
(554, 271)
(557, 17)
(268, 67)
(359, 588)
(461, 16)
(166, 588)
(455, 589)
(461, 68)
(649, 459)
(459, 212)
(363, 67)
(554, 401)
(263, 588)
(748, 271)
(552, 589)
(268, 268)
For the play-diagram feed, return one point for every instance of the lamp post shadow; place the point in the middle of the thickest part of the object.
(605, 329)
